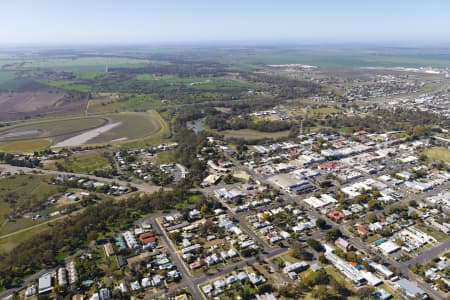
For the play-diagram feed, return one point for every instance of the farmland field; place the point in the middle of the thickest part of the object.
(340, 58)
(81, 64)
(16, 105)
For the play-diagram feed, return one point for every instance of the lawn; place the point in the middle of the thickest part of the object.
(26, 146)
(85, 162)
(438, 153)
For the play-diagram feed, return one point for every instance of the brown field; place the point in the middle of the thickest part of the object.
(17, 105)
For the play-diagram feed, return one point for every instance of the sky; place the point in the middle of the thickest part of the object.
(181, 21)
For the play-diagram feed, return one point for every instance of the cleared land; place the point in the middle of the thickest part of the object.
(438, 153)
(17, 105)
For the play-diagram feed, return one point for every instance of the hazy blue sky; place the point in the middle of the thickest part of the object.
(150, 21)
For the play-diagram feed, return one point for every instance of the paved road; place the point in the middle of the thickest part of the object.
(186, 275)
(427, 255)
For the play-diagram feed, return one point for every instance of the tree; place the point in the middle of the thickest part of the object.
(204, 209)
(333, 234)
(321, 223)
(372, 204)
(323, 259)
(316, 245)
(366, 293)
(372, 218)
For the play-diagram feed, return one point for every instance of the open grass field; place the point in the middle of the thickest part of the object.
(85, 162)
(250, 134)
(165, 157)
(438, 153)
(200, 83)
(9, 243)
(325, 110)
(135, 102)
(29, 146)
(23, 190)
(68, 85)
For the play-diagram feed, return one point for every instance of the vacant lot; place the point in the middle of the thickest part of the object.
(438, 153)
(85, 162)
